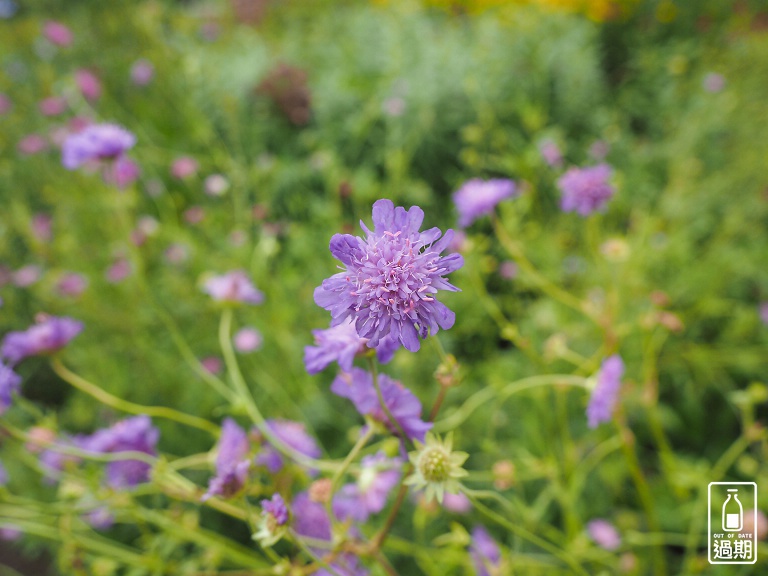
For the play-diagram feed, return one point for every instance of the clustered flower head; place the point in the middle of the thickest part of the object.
(274, 520)
(604, 534)
(437, 467)
(602, 402)
(478, 198)
(390, 278)
(94, 143)
(378, 476)
(232, 462)
(485, 553)
(10, 383)
(341, 344)
(585, 190)
(233, 287)
(49, 335)
(404, 406)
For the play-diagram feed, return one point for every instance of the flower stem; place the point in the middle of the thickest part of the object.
(381, 537)
(375, 374)
(119, 404)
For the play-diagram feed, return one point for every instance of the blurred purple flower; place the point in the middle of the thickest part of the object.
(100, 518)
(10, 384)
(53, 460)
(41, 225)
(122, 172)
(457, 503)
(585, 190)
(604, 534)
(232, 462)
(10, 532)
(764, 312)
(294, 435)
(276, 508)
(194, 214)
(341, 344)
(57, 33)
(233, 287)
(485, 552)
(599, 150)
(53, 106)
(550, 151)
(714, 82)
(602, 403)
(72, 284)
(508, 270)
(27, 275)
(89, 84)
(183, 167)
(358, 387)
(390, 278)
(118, 271)
(96, 142)
(247, 340)
(176, 253)
(378, 476)
(3, 474)
(8, 9)
(50, 334)
(216, 185)
(212, 364)
(32, 144)
(5, 104)
(136, 434)
(477, 198)
(142, 72)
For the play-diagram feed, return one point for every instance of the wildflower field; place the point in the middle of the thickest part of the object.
(395, 287)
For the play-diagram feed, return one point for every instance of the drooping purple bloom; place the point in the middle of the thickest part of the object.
(10, 384)
(485, 552)
(136, 434)
(604, 534)
(585, 190)
(233, 287)
(378, 476)
(478, 197)
(602, 403)
(96, 142)
(142, 72)
(276, 508)
(247, 340)
(232, 462)
(390, 278)
(48, 335)
(57, 33)
(358, 387)
(341, 344)
(294, 435)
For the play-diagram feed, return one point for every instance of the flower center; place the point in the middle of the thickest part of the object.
(434, 465)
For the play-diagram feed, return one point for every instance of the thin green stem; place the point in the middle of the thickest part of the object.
(375, 375)
(359, 445)
(123, 405)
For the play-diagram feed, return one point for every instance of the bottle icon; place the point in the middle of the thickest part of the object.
(733, 512)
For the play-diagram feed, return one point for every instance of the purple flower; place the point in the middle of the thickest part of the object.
(48, 335)
(477, 198)
(604, 534)
(233, 287)
(294, 435)
(341, 344)
(57, 33)
(212, 364)
(41, 225)
(89, 84)
(391, 277)
(8, 9)
(5, 104)
(96, 142)
(27, 275)
(10, 383)
(3, 475)
(551, 153)
(764, 312)
(485, 552)
(358, 387)
(118, 271)
(232, 462)
(605, 395)
(713, 82)
(585, 190)
(10, 532)
(72, 284)
(183, 167)
(142, 72)
(53, 460)
(122, 172)
(247, 340)
(134, 434)
(276, 508)
(53, 106)
(378, 476)
(32, 144)
(100, 518)
(457, 503)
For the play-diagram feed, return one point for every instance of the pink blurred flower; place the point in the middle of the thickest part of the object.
(57, 33)
(183, 167)
(508, 270)
(176, 253)
(41, 225)
(212, 364)
(604, 534)
(457, 503)
(118, 271)
(550, 151)
(394, 106)
(27, 275)
(52, 106)
(247, 340)
(599, 150)
(32, 144)
(142, 72)
(5, 104)
(194, 215)
(121, 173)
(713, 82)
(216, 185)
(72, 284)
(764, 312)
(89, 84)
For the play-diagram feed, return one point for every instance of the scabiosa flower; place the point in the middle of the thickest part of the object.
(247, 340)
(216, 185)
(391, 278)
(477, 198)
(32, 144)
(41, 226)
(274, 520)
(49, 335)
(89, 84)
(212, 364)
(96, 142)
(57, 33)
(118, 271)
(341, 344)
(457, 503)
(72, 284)
(233, 287)
(604, 534)
(134, 434)
(122, 172)
(53, 106)
(436, 467)
(358, 387)
(27, 275)
(485, 552)
(142, 72)
(10, 383)
(184, 167)
(378, 476)
(232, 462)
(605, 393)
(585, 190)
(294, 435)
(550, 151)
